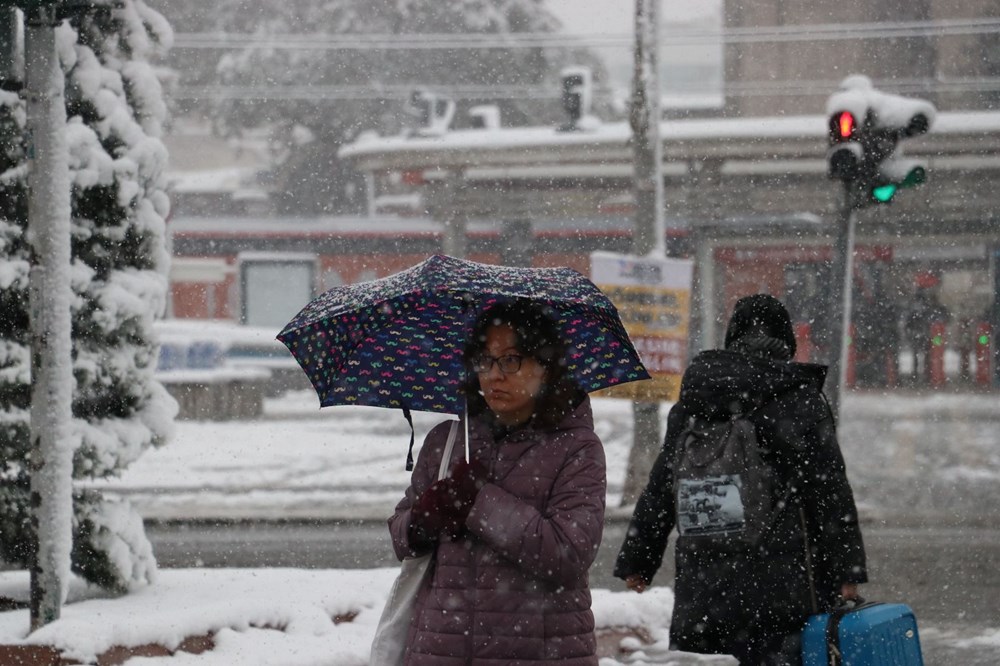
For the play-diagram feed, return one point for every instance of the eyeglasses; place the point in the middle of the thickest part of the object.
(509, 363)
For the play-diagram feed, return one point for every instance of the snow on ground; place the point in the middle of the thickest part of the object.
(300, 462)
(348, 462)
(266, 617)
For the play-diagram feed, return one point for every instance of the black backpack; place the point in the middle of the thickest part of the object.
(723, 490)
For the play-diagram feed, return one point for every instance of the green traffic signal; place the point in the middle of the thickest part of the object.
(915, 176)
(884, 193)
(893, 175)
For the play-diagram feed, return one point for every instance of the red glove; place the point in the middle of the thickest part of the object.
(470, 479)
(437, 510)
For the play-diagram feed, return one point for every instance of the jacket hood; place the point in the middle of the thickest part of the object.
(719, 383)
(582, 416)
(761, 314)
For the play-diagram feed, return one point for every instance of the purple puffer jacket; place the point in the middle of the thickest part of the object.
(513, 589)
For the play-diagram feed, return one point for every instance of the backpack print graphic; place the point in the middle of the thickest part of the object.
(723, 490)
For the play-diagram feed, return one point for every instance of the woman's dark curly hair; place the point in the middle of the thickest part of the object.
(536, 336)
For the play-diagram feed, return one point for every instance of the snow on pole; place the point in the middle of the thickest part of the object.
(650, 230)
(50, 294)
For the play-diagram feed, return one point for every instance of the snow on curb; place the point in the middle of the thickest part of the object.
(293, 617)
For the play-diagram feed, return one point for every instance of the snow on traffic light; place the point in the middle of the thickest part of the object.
(865, 128)
(577, 95)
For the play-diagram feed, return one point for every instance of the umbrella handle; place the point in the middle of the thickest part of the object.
(409, 453)
(468, 453)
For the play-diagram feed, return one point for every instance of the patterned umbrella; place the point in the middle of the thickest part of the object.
(398, 341)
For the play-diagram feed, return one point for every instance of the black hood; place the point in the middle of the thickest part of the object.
(721, 382)
(761, 315)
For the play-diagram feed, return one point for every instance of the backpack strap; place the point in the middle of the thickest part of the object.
(782, 503)
(779, 509)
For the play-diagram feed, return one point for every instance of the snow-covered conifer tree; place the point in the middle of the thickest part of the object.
(115, 113)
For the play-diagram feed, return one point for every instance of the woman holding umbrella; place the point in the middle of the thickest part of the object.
(515, 528)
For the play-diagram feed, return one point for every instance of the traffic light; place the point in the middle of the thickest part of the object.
(576, 95)
(432, 112)
(845, 155)
(865, 127)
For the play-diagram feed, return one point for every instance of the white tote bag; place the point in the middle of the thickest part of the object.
(389, 645)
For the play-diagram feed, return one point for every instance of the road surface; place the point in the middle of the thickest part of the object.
(949, 576)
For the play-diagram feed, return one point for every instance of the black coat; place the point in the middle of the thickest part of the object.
(723, 601)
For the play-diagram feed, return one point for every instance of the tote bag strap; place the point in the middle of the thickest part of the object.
(449, 446)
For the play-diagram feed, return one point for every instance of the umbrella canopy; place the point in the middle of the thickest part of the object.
(398, 341)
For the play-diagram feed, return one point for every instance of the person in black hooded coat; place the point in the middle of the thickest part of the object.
(753, 604)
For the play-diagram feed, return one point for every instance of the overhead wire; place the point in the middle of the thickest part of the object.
(679, 36)
(334, 93)
(480, 41)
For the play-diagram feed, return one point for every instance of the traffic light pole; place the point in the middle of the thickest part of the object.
(865, 126)
(841, 279)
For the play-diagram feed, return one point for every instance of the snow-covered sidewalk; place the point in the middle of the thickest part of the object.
(276, 617)
(297, 617)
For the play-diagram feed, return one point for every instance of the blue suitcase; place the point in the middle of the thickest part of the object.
(869, 634)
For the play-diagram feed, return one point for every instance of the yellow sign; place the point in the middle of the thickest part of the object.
(653, 297)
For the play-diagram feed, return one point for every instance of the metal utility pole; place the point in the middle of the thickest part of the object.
(444, 194)
(50, 294)
(842, 272)
(649, 233)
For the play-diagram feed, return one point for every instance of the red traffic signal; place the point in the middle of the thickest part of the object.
(843, 126)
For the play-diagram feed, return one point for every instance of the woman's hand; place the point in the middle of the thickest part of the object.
(438, 509)
(469, 479)
(445, 505)
(637, 583)
(849, 591)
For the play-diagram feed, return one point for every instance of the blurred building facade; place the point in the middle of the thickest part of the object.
(787, 56)
(747, 193)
